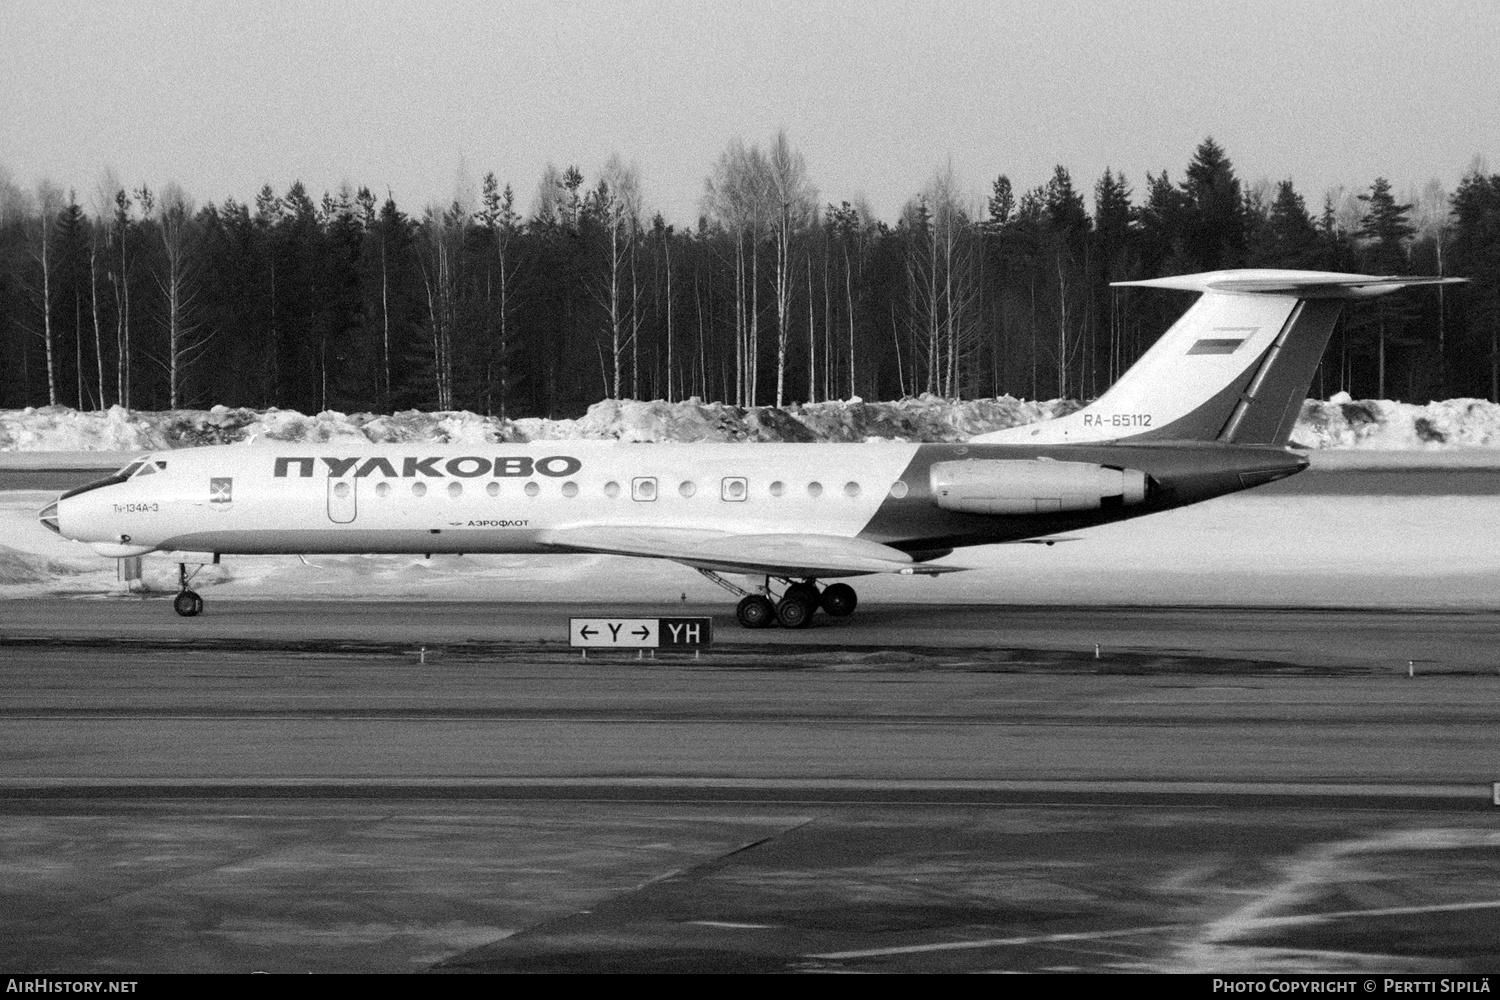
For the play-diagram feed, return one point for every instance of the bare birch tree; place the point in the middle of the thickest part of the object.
(502, 223)
(735, 199)
(623, 219)
(119, 279)
(175, 227)
(49, 202)
(793, 205)
(1433, 216)
(954, 250)
(102, 206)
(921, 265)
(942, 287)
(443, 232)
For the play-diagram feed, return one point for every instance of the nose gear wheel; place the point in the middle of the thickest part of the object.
(187, 603)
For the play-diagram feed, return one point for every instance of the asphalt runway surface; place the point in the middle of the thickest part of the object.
(301, 786)
(1147, 639)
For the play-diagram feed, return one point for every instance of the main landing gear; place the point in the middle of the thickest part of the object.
(798, 603)
(187, 603)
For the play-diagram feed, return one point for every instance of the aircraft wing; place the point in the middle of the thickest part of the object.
(797, 555)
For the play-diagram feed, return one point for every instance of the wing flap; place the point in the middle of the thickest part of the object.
(771, 554)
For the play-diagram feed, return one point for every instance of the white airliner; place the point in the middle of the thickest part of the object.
(1206, 411)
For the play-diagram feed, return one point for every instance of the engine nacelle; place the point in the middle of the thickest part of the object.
(1032, 486)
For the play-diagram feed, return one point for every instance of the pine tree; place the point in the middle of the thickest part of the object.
(1386, 231)
(1387, 226)
(1163, 222)
(1002, 202)
(1113, 240)
(1293, 237)
(1214, 236)
(1476, 255)
(1065, 234)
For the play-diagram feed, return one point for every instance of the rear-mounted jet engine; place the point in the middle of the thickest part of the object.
(1032, 486)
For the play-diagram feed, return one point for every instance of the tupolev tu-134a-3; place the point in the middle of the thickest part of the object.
(1206, 411)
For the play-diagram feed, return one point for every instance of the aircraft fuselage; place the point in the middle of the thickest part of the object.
(516, 498)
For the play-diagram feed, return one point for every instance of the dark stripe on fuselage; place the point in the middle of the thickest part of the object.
(1179, 474)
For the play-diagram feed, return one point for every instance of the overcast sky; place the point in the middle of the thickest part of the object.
(225, 97)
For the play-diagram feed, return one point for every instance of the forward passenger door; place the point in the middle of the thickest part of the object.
(343, 500)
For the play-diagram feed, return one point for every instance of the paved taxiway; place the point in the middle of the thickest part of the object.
(1315, 639)
(286, 786)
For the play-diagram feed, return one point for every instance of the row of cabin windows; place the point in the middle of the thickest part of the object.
(732, 489)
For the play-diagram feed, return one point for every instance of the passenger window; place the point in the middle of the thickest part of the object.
(532, 489)
(687, 489)
(851, 489)
(382, 488)
(898, 489)
(611, 489)
(341, 489)
(778, 488)
(492, 488)
(733, 488)
(814, 489)
(419, 489)
(643, 489)
(570, 489)
(455, 490)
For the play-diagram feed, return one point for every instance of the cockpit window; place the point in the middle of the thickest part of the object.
(148, 467)
(119, 477)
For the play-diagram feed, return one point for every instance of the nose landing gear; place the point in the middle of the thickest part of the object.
(187, 603)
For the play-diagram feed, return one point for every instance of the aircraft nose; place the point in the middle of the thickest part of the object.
(48, 516)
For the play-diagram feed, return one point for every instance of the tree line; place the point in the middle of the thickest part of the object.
(141, 298)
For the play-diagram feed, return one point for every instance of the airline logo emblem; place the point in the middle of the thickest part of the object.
(221, 492)
(435, 466)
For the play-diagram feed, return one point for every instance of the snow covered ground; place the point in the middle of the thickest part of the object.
(1345, 551)
(1247, 549)
(926, 418)
(1340, 423)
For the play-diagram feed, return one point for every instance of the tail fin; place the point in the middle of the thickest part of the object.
(1234, 369)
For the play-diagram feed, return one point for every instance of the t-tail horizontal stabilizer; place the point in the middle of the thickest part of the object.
(1234, 369)
(1303, 284)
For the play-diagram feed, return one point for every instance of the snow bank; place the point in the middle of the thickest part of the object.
(1381, 425)
(1340, 423)
(923, 418)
